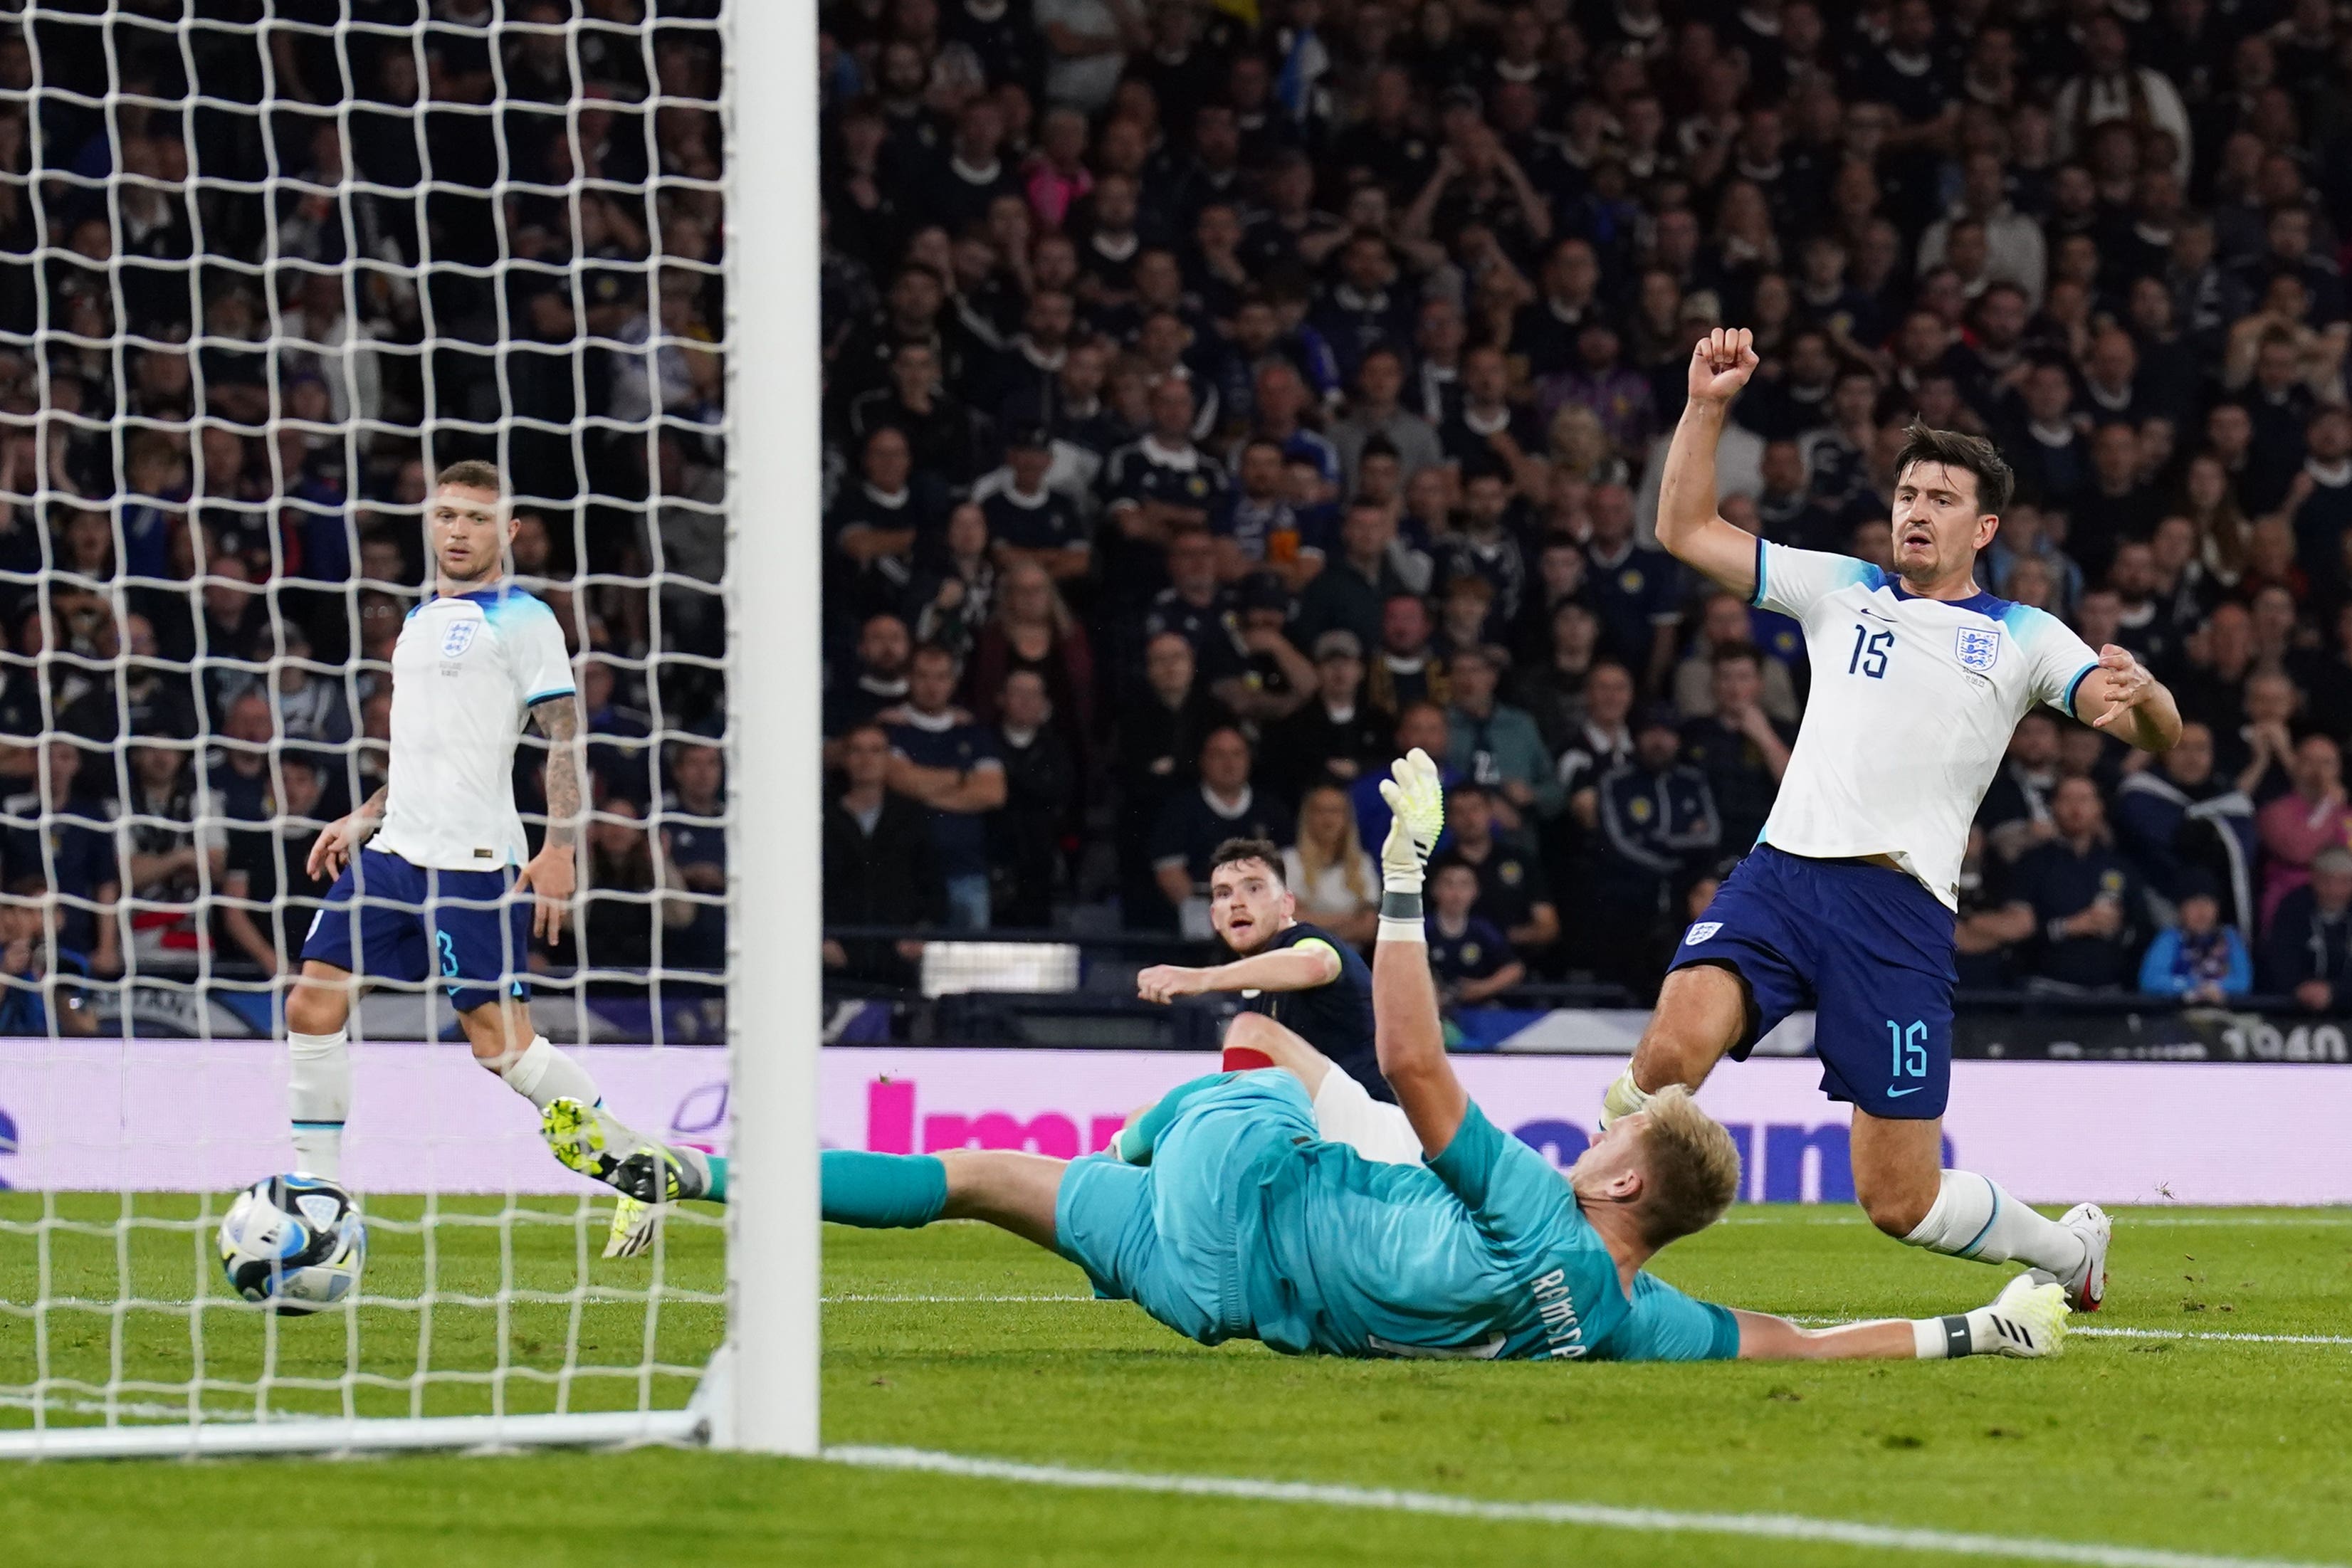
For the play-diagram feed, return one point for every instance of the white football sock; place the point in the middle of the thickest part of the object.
(541, 1075)
(1972, 1217)
(318, 1085)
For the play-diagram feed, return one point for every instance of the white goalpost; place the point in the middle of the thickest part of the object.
(259, 279)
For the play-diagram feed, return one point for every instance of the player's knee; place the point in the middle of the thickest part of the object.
(1699, 1015)
(1255, 1032)
(1897, 1210)
(314, 1008)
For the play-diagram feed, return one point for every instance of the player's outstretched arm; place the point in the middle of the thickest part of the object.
(2027, 1320)
(1406, 1032)
(2122, 698)
(1689, 524)
(1299, 968)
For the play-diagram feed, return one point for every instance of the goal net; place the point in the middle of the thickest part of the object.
(265, 269)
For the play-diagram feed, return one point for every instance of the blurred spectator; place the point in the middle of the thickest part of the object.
(876, 524)
(1657, 826)
(1471, 960)
(175, 857)
(1375, 413)
(1742, 749)
(940, 758)
(1033, 630)
(1328, 871)
(621, 750)
(1027, 520)
(2309, 819)
(1513, 893)
(2180, 822)
(236, 773)
(307, 702)
(269, 894)
(694, 846)
(2086, 900)
(2015, 810)
(1637, 592)
(1276, 679)
(880, 866)
(1405, 672)
(2307, 952)
(1497, 745)
(1224, 805)
(2200, 959)
(1164, 728)
(1724, 624)
(951, 601)
(1024, 836)
(61, 833)
(1199, 607)
(624, 914)
(883, 648)
(1336, 737)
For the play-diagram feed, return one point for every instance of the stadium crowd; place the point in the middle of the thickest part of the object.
(235, 341)
(1222, 395)
(1218, 398)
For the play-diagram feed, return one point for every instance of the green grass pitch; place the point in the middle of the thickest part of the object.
(2236, 1448)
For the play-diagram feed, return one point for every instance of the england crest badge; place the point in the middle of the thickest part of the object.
(457, 639)
(1977, 649)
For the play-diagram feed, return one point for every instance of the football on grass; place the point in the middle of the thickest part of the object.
(295, 1241)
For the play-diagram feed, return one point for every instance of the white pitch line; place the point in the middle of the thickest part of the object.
(2214, 1334)
(2089, 1331)
(1766, 1526)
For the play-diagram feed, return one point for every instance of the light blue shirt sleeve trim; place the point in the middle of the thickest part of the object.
(2074, 684)
(537, 698)
(1755, 600)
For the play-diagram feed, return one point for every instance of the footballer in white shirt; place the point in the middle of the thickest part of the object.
(1846, 903)
(433, 878)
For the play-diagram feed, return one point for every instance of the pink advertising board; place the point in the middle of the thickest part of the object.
(175, 1114)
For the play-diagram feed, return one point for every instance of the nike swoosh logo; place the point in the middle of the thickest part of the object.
(1898, 1094)
(1875, 615)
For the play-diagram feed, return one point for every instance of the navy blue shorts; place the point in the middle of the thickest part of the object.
(1867, 947)
(411, 923)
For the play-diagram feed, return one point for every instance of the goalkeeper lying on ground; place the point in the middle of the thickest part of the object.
(1226, 1213)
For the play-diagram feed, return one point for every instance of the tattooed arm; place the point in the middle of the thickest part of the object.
(552, 874)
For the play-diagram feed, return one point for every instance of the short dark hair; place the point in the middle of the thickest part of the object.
(472, 473)
(1234, 851)
(1738, 654)
(1958, 449)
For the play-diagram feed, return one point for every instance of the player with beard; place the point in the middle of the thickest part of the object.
(1845, 905)
(1297, 982)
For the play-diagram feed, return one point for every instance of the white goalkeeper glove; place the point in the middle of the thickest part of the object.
(1417, 815)
(2027, 1320)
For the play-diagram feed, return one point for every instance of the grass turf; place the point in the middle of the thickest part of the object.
(2227, 1447)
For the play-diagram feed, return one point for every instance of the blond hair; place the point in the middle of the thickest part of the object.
(1313, 863)
(1690, 1167)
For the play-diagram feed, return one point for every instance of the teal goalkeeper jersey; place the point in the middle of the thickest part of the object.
(1482, 1254)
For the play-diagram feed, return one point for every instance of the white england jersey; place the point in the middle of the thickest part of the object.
(463, 675)
(1912, 704)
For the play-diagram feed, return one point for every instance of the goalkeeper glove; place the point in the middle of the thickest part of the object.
(1417, 807)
